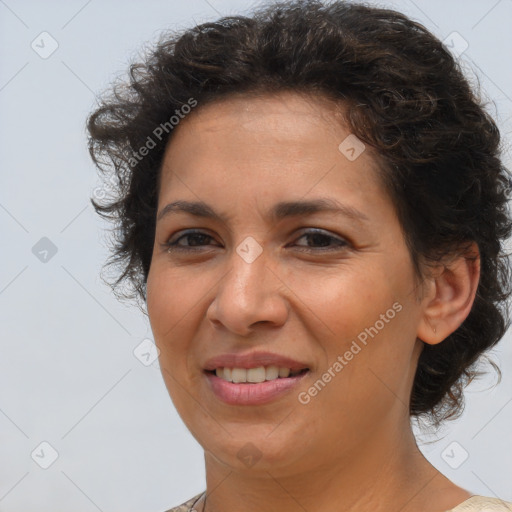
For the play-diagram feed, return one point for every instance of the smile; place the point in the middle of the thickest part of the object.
(253, 393)
(256, 375)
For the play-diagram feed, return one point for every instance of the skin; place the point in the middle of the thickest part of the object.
(351, 447)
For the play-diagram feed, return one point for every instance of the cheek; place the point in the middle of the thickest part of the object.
(377, 361)
(170, 303)
(341, 301)
(171, 296)
(362, 317)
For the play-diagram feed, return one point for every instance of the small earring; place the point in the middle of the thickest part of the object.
(434, 330)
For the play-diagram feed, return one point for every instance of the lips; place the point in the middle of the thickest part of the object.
(253, 360)
(253, 393)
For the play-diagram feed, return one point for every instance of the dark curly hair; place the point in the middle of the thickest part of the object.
(404, 95)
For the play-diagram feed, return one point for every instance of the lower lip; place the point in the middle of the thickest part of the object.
(252, 394)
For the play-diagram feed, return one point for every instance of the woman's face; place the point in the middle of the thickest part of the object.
(332, 290)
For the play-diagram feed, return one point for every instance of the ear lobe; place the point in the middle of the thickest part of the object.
(452, 292)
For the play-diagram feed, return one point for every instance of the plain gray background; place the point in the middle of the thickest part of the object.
(69, 373)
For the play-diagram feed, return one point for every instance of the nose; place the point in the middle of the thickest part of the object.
(249, 294)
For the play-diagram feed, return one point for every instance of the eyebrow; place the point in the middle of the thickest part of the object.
(278, 212)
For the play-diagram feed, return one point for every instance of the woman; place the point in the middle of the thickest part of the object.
(311, 204)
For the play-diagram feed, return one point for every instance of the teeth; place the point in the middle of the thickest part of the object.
(238, 375)
(254, 375)
(284, 372)
(271, 372)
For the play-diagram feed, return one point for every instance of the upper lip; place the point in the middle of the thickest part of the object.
(253, 360)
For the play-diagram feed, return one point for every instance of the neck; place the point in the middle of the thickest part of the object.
(386, 472)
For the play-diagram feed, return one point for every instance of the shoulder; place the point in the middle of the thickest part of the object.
(187, 506)
(473, 504)
(483, 504)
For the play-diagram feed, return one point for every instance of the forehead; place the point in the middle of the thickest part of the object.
(289, 138)
(267, 112)
(251, 160)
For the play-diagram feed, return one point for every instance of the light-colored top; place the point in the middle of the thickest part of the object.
(473, 504)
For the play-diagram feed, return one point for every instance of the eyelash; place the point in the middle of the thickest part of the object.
(173, 246)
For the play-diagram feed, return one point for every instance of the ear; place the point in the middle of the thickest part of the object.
(450, 294)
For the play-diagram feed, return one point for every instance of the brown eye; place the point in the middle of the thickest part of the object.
(198, 239)
(322, 239)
